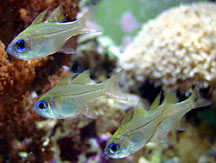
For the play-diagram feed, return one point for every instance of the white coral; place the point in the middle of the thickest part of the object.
(176, 49)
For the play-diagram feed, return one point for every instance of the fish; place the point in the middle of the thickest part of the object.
(141, 125)
(75, 95)
(43, 38)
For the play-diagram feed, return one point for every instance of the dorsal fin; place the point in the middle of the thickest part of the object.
(156, 102)
(83, 78)
(57, 15)
(170, 98)
(69, 79)
(127, 117)
(140, 110)
(133, 113)
(40, 17)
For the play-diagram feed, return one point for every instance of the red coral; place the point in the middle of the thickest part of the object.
(18, 78)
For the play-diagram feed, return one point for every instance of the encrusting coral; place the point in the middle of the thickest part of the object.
(174, 50)
(20, 140)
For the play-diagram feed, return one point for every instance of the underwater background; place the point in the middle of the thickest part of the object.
(162, 45)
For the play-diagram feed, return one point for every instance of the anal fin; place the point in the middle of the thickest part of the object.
(89, 111)
(68, 47)
(70, 117)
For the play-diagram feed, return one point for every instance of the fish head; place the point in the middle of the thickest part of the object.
(116, 149)
(43, 108)
(25, 46)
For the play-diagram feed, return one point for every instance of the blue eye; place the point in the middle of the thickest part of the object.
(114, 148)
(20, 45)
(41, 104)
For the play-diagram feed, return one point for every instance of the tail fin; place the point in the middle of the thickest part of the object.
(196, 100)
(87, 23)
(112, 87)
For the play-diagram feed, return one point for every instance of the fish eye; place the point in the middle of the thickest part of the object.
(41, 104)
(114, 148)
(20, 45)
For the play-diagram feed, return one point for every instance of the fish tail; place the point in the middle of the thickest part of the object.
(196, 100)
(112, 87)
(87, 23)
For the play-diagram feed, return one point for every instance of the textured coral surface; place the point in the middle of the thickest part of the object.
(20, 140)
(176, 49)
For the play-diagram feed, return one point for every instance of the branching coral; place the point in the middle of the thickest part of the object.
(175, 50)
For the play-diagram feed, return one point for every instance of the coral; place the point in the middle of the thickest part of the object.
(21, 81)
(174, 50)
(90, 54)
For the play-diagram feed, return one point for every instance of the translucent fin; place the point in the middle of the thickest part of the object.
(83, 78)
(171, 123)
(87, 23)
(181, 125)
(68, 79)
(70, 117)
(90, 111)
(162, 137)
(132, 99)
(127, 117)
(163, 130)
(140, 111)
(112, 87)
(67, 50)
(196, 100)
(40, 17)
(156, 102)
(170, 98)
(68, 46)
(57, 15)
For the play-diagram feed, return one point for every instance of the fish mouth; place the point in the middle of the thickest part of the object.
(109, 155)
(8, 49)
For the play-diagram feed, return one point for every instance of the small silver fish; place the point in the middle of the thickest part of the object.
(141, 126)
(75, 95)
(43, 38)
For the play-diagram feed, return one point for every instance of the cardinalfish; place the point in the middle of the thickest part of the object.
(140, 126)
(76, 95)
(43, 38)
